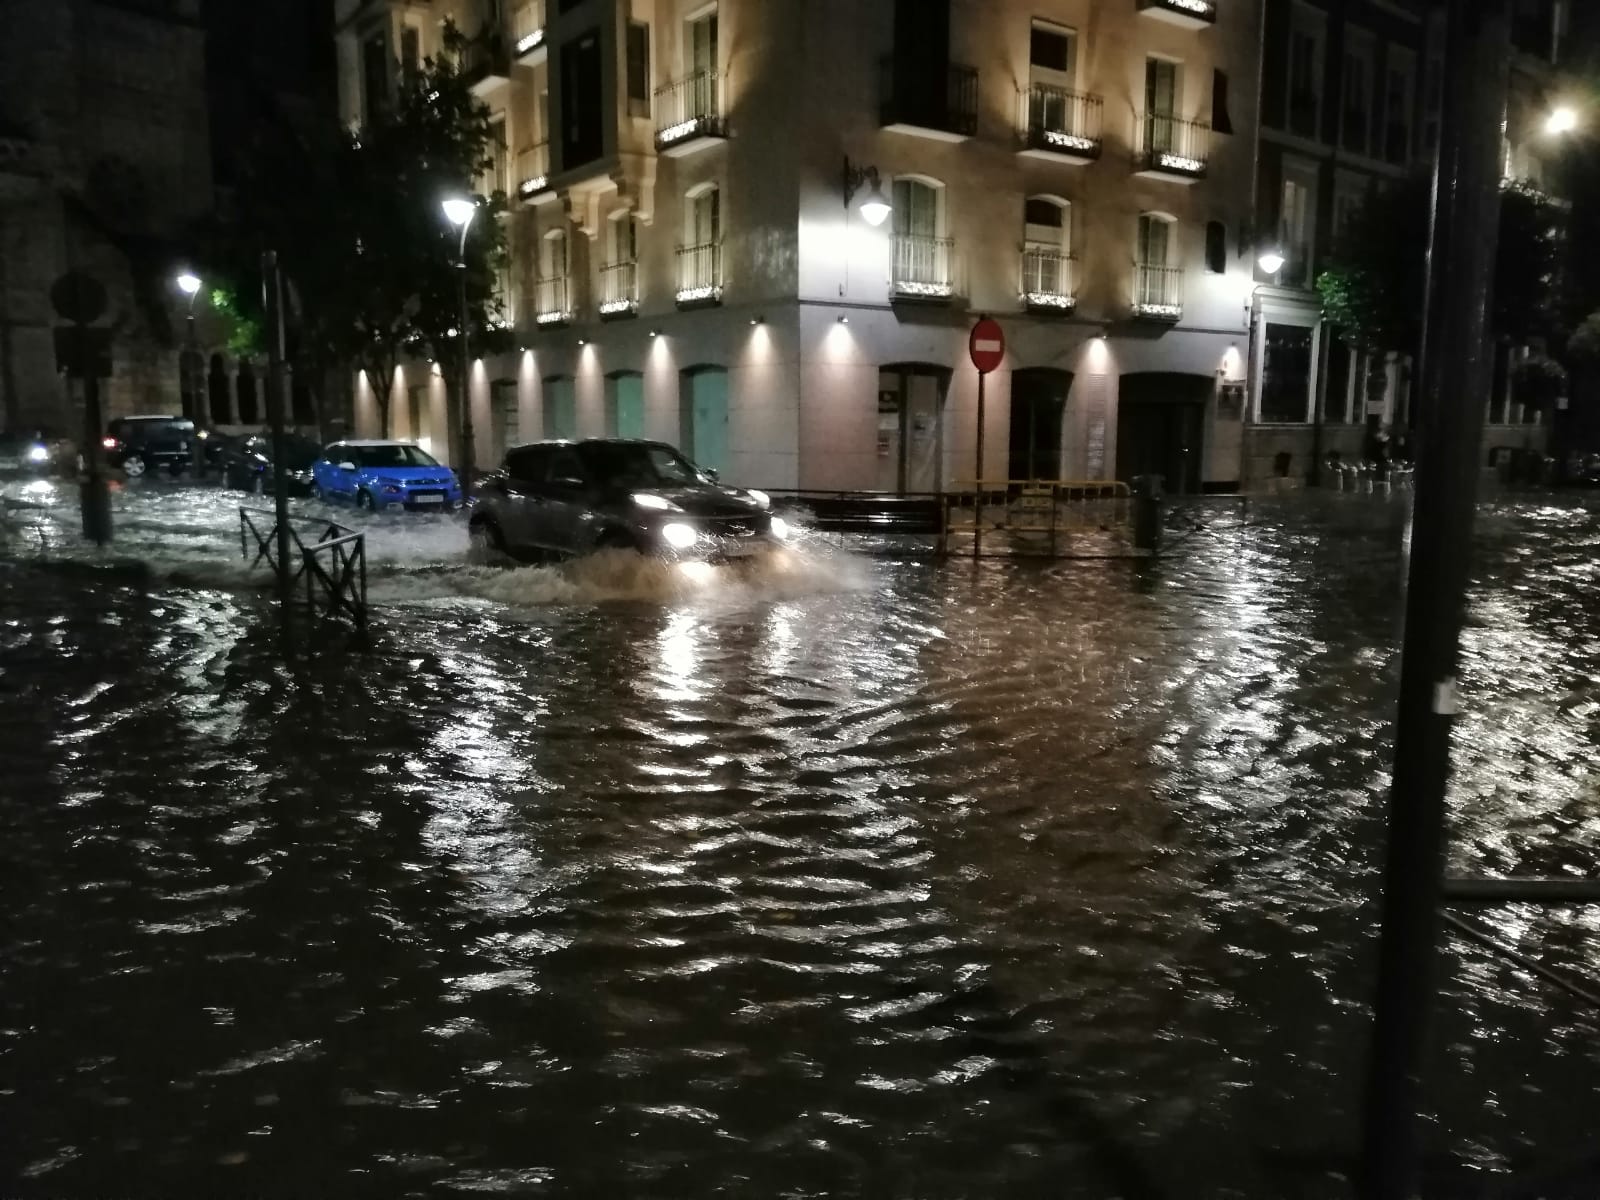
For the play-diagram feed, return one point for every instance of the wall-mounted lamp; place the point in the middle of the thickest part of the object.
(758, 319)
(843, 320)
(655, 333)
(1271, 260)
(875, 207)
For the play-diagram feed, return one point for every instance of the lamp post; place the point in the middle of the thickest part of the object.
(459, 211)
(189, 285)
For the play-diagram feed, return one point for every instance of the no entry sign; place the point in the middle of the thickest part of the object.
(987, 345)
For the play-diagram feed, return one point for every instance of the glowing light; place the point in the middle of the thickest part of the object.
(459, 211)
(1271, 260)
(680, 131)
(653, 501)
(1181, 163)
(552, 317)
(1051, 300)
(533, 185)
(611, 308)
(188, 283)
(780, 529)
(875, 209)
(911, 288)
(1562, 119)
(697, 572)
(529, 42)
(694, 295)
(760, 497)
(679, 536)
(1061, 140)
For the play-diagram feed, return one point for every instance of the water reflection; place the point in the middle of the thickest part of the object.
(1010, 879)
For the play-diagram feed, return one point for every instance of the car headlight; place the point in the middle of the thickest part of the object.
(780, 529)
(679, 536)
(38, 454)
(759, 497)
(653, 501)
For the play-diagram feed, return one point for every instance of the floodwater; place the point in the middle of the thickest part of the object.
(862, 877)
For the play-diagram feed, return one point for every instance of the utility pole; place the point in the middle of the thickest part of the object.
(1450, 425)
(272, 286)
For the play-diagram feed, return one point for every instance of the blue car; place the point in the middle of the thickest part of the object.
(374, 475)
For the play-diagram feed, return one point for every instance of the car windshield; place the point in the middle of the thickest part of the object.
(638, 465)
(389, 456)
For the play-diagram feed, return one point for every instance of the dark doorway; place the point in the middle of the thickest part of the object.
(1161, 427)
(582, 113)
(247, 395)
(1038, 405)
(219, 390)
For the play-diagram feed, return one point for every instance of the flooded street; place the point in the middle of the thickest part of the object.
(863, 877)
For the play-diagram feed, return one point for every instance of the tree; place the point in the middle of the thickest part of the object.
(361, 242)
(1373, 285)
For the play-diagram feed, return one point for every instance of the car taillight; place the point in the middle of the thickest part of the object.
(110, 443)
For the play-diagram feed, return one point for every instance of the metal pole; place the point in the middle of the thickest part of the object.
(280, 494)
(1451, 420)
(94, 497)
(1319, 401)
(977, 476)
(467, 453)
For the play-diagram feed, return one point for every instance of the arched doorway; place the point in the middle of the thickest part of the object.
(911, 400)
(625, 405)
(1038, 406)
(247, 395)
(219, 391)
(1161, 417)
(703, 416)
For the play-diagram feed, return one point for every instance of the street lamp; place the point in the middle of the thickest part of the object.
(459, 211)
(189, 285)
(1562, 119)
(875, 207)
(1271, 260)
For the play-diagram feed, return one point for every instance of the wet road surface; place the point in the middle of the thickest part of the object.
(857, 878)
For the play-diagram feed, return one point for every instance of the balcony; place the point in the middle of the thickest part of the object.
(486, 64)
(1060, 126)
(527, 33)
(939, 102)
(1187, 14)
(619, 290)
(1049, 283)
(497, 177)
(533, 174)
(552, 301)
(920, 268)
(699, 275)
(1157, 292)
(1172, 148)
(689, 114)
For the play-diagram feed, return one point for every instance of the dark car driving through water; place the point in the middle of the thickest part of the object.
(565, 499)
(246, 463)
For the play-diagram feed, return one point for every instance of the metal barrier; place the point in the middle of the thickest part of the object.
(1050, 516)
(333, 568)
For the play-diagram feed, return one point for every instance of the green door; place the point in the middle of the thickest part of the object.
(560, 409)
(704, 418)
(627, 406)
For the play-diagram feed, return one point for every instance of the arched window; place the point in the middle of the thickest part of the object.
(1047, 253)
(921, 261)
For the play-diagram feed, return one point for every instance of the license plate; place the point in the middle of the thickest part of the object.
(427, 498)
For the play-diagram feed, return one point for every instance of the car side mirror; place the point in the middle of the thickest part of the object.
(347, 466)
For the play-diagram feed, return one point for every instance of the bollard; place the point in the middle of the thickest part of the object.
(1147, 512)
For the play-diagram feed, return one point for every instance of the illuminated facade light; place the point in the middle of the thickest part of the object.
(704, 294)
(1057, 301)
(528, 43)
(616, 308)
(552, 317)
(533, 186)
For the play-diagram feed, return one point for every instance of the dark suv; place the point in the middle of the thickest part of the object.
(139, 444)
(561, 499)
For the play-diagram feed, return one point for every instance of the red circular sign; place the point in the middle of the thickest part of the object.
(987, 345)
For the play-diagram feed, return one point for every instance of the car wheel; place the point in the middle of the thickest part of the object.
(365, 502)
(486, 543)
(615, 539)
(133, 466)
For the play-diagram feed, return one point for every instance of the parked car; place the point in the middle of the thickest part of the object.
(246, 463)
(137, 445)
(34, 451)
(384, 474)
(562, 499)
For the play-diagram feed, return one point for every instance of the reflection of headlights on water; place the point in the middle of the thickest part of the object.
(697, 572)
(780, 529)
(679, 536)
(38, 454)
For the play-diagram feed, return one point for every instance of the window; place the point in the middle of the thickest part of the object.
(700, 40)
(1286, 374)
(582, 111)
(497, 178)
(1046, 248)
(1161, 106)
(1305, 74)
(1155, 240)
(1053, 55)
(1297, 220)
(530, 464)
(374, 78)
(1356, 88)
(1397, 101)
(916, 209)
(1221, 122)
(410, 52)
(638, 69)
(555, 254)
(703, 218)
(1216, 247)
(623, 239)
(1433, 107)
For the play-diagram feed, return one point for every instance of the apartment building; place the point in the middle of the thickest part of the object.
(762, 229)
(1351, 94)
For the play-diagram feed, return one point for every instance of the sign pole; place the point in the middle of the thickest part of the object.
(94, 497)
(280, 495)
(986, 346)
